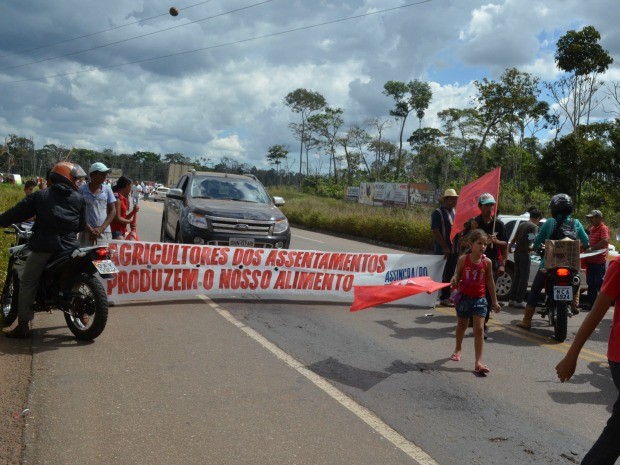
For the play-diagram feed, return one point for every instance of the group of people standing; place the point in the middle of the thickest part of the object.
(68, 214)
(473, 275)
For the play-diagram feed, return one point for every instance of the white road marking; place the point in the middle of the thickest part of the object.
(368, 417)
(308, 239)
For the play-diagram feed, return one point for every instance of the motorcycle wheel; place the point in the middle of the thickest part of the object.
(88, 298)
(8, 301)
(560, 323)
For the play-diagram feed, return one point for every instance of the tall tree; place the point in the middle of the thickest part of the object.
(412, 96)
(275, 155)
(583, 60)
(304, 102)
(327, 125)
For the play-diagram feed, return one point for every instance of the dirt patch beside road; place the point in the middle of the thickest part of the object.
(15, 372)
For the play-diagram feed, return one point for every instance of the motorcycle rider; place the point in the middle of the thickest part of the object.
(60, 213)
(561, 207)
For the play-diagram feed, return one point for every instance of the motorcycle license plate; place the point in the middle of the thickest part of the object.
(241, 242)
(563, 293)
(105, 266)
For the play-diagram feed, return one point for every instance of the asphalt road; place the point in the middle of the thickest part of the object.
(244, 380)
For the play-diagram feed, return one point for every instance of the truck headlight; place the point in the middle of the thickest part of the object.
(198, 221)
(280, 226)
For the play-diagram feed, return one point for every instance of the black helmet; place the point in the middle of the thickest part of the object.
(561, 204)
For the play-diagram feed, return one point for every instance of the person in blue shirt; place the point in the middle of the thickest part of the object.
(561, 207)
(100, 206)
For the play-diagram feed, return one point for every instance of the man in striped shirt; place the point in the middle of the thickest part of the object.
(595, 265)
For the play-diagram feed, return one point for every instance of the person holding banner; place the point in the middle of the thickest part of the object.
(121, 190)
(498, 242)
(441, 225)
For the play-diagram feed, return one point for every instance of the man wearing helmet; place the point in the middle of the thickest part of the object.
(60, 214)
(558, 226)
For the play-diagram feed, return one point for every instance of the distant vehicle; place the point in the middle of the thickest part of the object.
(225, 210)
(159, 194)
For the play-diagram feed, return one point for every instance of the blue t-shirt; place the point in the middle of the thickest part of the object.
(442, 219)
(97, 205)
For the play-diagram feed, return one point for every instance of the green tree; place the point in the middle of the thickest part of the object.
(275, 155)
(327, 125)
(413, 96)
(583, 60)
(305, 103)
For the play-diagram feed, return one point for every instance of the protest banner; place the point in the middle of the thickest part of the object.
(162, 271)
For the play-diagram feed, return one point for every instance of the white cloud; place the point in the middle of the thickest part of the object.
(228, 100)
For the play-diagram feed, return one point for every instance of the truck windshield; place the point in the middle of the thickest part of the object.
(228, 189)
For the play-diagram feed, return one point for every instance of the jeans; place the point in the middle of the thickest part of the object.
(606, 449)
(29, 283)
(521, 276)
(537, 287)
(595, 272)
(448, 272)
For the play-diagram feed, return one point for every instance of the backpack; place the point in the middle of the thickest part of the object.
(566, 229)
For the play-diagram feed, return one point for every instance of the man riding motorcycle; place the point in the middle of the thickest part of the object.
(561, 207)
(60, 213)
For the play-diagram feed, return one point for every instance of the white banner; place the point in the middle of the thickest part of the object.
(161, 271)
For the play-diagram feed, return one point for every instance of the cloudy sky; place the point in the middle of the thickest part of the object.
(211, 81)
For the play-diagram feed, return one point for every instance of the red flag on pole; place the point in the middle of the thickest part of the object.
(467, 204)
(371, 296)
(133, 234)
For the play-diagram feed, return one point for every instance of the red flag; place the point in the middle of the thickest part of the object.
(371, 296)
(467, 204)
(133, 234)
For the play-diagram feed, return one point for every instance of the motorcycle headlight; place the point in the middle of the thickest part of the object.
(280, 226)
(198, 221)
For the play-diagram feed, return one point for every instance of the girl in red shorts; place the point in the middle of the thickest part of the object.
(473, 276)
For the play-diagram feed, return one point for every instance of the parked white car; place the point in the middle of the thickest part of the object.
(159, 194)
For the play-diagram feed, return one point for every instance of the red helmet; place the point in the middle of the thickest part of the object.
(67, 173)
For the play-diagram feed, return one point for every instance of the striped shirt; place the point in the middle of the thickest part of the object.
(597, 234)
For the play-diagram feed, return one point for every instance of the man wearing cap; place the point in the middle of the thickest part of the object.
(595, 265)
(441, 225)
(497, 249)
(100, 206)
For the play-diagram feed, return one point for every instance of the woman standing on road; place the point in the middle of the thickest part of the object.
(121, 190)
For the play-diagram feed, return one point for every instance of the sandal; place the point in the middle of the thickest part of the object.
(455, 357)
(482, 370)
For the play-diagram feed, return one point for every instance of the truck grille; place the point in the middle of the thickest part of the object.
(241, 227)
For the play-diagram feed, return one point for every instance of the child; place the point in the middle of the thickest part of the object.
(607, 448)
(29, 187)
(473, 276)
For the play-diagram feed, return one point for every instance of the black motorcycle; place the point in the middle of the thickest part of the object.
(70, 282)
(560, 287)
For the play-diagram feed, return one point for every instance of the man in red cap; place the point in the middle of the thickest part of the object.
(595, 265)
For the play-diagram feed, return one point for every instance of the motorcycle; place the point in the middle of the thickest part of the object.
(69, 283)
(561, 284)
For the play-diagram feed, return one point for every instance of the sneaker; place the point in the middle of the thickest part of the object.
(446, 303)
(519, 305)
(84, 319)
(21, 331)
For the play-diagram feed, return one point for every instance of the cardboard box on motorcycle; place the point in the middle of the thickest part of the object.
(564, 252)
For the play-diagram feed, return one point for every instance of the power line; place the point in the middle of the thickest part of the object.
(251, 39)
(133, 38)
(98, 32)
